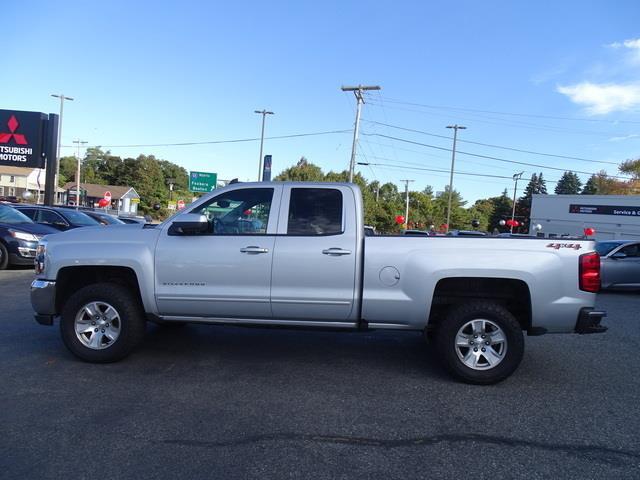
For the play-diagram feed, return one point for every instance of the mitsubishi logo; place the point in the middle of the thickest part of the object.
(17, 137)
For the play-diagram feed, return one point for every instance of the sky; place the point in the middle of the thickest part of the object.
(559, 78)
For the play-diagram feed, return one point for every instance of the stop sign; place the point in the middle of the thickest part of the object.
(180, 204)
(107, 196)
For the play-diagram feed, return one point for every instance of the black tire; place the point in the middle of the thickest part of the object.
(131, 322)
(4, 257)
(458, 317)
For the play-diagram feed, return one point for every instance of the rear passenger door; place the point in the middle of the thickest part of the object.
(315, 255)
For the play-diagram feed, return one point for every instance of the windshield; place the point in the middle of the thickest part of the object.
(13, 216)
(603, 248)
(79, 218)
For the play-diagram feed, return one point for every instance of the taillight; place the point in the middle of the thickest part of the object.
(589, 272)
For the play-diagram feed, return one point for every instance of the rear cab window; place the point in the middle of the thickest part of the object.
(315, 212)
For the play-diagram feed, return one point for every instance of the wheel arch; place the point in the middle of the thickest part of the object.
(514, 294)
(72, 278)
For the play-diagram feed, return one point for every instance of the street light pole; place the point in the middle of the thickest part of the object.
(357, 91)
(406, 210)
(78, 143)
(455, 127)
(264, 113)
(62, 99)
(516, 177)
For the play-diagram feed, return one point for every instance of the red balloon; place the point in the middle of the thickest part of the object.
(589, 231)
(103, 202)
(510, 223)
(516, 223)
(247, 212)
(399, 219)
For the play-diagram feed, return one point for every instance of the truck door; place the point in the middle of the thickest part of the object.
(226, 272)
(314, 264)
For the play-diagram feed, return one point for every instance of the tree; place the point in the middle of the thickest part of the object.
(591, 187)
(303, 171)
(502, 210)
(536, 186)
(569, 184)
(631, 167)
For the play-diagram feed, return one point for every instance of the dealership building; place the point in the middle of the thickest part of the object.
(612, 216)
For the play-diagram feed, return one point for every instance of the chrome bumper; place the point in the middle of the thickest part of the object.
(43, 300)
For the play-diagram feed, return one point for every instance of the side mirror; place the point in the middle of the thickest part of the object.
(190, 224)
(619, 255)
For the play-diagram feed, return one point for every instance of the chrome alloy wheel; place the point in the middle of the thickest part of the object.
(481, 344)
(97, 325)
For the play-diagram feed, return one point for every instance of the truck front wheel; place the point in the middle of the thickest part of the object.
(102, 322)
(480, 342)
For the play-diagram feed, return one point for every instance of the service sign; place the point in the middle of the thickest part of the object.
(21, 135)
(618, 210)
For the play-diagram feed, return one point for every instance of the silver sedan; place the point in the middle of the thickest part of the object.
(620, 264)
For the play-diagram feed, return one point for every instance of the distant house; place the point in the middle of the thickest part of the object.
(15, 181)
(124, 199)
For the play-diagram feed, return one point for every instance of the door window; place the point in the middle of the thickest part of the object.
(52, 218)
(631, 251)
(29, 212)
(315, 211)
(239, 212)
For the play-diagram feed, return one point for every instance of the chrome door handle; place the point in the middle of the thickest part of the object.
(254, 249)
(336, 251)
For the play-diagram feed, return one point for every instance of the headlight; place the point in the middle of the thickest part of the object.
(29, 237)
(41, 251)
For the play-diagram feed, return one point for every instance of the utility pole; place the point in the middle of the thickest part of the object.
(79, 143)
(62, 99)
(406, 210)
(516, 177)
(264, 113)
(357, 91)
(455, 127)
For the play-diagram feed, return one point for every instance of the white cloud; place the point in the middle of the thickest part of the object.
(603, 98)
(626, 137)
(633, 45)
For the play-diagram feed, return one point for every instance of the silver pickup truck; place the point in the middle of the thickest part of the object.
(295, 254)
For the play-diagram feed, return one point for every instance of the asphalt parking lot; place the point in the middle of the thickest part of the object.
(228, 402)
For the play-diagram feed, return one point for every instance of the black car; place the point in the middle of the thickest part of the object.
(19, 237)
(139, 220)
(60, 218)
(104, 218)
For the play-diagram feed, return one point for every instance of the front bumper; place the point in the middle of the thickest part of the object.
(43, 300)
(589, 321)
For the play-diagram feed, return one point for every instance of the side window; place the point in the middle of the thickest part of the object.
(315, 211)
(239, 212)
(631, 250)
(29, 212)
(47, 216)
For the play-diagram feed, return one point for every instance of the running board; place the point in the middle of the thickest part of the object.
(260, 321)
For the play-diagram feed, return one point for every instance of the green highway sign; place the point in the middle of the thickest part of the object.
(203, 182)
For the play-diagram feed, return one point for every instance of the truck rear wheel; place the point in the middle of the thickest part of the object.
(480, 342)
(102, 323)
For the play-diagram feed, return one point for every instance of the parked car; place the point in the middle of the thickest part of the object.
(57, 217)
(620, 264)
(104, 218)
(369, 231)
(466, 233)
(307, 262)
(19, 237)
(418, 233)
(138, 220)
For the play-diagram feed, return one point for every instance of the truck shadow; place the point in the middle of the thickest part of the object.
(267, 348)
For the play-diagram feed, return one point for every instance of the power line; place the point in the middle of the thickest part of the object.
(513, 149)
(502, 122)
(494, 112)
(211, 142)
(489, 156)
